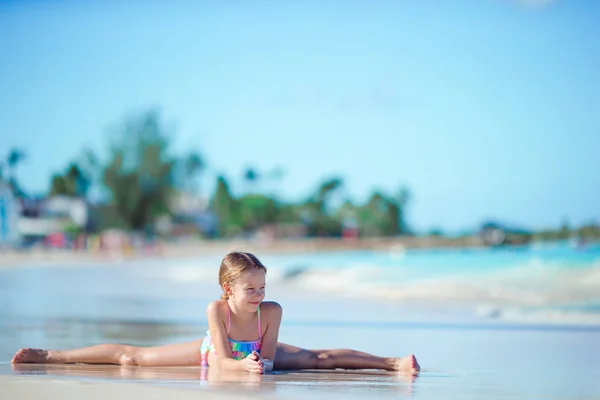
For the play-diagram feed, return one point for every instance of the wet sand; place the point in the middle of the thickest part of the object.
(77, 381)
(459, 362)
(463, 356)
(35, 388)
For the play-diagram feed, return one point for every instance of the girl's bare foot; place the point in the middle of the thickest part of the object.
(407, 365)
(31, 356)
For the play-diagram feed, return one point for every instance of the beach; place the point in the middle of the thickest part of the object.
(418, 181)
(468, 364)
(34, 387)
(200, 248)
(545, 350)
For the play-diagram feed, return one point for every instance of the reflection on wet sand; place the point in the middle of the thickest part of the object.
(228, 380)
(110, 371)
(106, 330)
(68, 333)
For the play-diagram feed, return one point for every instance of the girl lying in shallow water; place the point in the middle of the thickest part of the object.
(242, 336)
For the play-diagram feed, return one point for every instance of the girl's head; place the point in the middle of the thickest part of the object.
(242, 278)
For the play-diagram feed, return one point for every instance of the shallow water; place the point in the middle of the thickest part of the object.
(458, 363)
(464, 354)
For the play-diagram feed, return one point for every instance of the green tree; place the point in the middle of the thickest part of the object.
(402, 200)
(347, 210)
(289, 213)
(58, 186)
(436, 232)
(15, 157)
(589, 231)
(8, 169)
(140, 172)
(374, 216)
(73, 182)
(224, 206)
(383, 215)
(274, 178)
(317, 213)
(256, 210)
(564, 232)
(251, 177)
(193, 165)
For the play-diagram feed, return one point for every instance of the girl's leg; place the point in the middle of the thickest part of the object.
(292, 357)
(181, 354)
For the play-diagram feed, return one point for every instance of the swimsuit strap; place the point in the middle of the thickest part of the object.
(259, 332)
(229, 321)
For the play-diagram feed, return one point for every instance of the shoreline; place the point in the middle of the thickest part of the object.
(199, 248)
(51, 307)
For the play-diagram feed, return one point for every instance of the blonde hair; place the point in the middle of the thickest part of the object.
(234, 265)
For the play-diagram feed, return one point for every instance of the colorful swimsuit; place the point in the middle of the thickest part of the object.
(240, 350)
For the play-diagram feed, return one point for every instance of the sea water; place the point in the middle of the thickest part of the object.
(494, 323)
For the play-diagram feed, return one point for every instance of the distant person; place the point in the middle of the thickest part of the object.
(242, 336)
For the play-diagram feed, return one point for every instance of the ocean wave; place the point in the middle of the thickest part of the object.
(535, 282)
(526, 286)
(547, 315)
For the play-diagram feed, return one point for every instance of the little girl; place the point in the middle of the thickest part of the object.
(242, 336)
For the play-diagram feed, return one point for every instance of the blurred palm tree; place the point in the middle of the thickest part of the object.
(223, 204)
(8, 167)
(193, 165)
(316, 211)
(73, 183)
(251, 178)
(402, 200)
(275, 176)
(139, 174)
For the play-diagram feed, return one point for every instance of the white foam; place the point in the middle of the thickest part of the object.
(546, 316)
(532, 283)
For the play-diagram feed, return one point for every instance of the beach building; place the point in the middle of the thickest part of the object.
(51, 216)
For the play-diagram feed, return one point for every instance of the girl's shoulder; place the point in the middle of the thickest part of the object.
(217, 307)
(220, 308)
(271, 307)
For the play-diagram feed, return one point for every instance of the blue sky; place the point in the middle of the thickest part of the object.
(483, 108)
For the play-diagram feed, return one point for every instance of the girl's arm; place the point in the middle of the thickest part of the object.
(274, 313)
(220, 340)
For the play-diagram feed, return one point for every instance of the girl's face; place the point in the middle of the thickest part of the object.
(248, 291)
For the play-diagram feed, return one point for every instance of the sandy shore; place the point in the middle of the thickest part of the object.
(109, 381)
(14, 387)
(198, 248)
(464, 355)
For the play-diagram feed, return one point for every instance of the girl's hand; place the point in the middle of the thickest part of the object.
(267, 365)
(254, 363)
